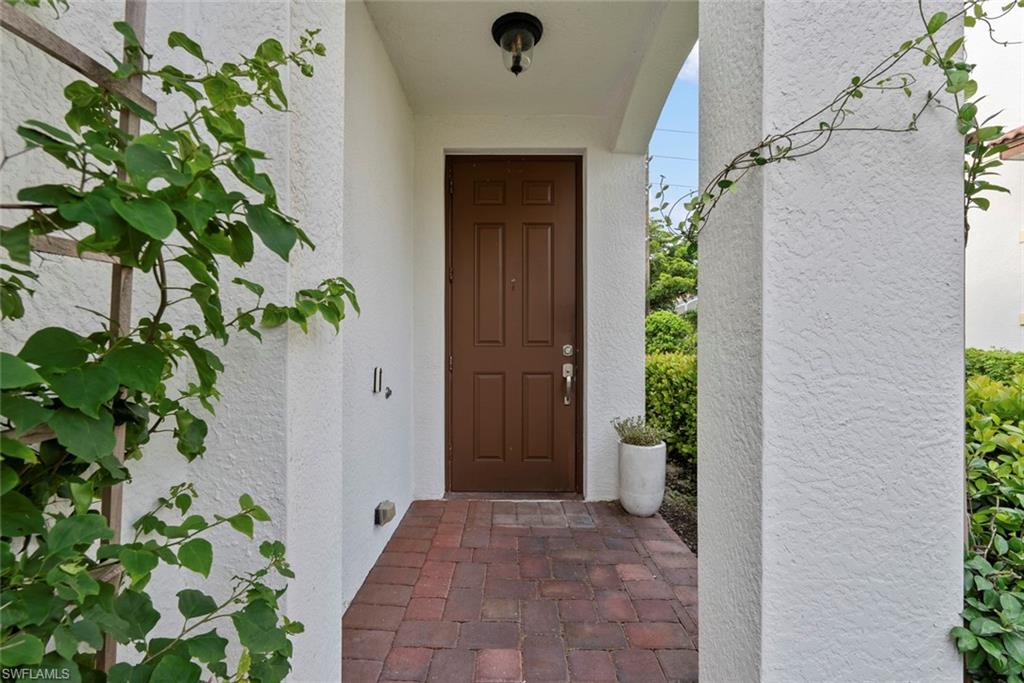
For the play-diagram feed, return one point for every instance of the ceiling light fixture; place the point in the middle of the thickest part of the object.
(516, 33)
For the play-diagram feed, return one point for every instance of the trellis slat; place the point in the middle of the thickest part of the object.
(120, 317)
(53, 45)
(62, 246)
(34, 435)
(34, 33)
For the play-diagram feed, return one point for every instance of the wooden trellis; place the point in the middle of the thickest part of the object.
(130, 89)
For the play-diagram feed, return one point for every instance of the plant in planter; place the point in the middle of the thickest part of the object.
(641, 465)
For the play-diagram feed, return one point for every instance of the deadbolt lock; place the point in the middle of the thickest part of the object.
(567, 350)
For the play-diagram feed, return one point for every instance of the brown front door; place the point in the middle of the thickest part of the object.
(512, 324)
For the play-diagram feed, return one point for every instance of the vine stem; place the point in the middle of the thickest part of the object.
(186, 629)
(160, 275)
(8, 157)
(784, 146)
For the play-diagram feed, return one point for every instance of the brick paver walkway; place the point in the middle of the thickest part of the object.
(525, 591)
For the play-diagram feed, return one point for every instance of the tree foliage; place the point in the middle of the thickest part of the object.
(176, 203)
(672, 260)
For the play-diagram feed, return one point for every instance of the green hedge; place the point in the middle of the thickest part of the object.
(992, 634)
(668, 332)
(672, 402)
(996, 364)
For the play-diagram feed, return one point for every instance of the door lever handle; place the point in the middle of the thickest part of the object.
(567, 373)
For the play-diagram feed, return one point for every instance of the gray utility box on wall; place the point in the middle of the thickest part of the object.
(384, 513)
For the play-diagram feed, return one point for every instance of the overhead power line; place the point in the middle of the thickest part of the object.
(666, 156)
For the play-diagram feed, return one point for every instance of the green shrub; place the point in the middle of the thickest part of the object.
(668, 332)
(992, 635)
(672, 402)
(997, 364)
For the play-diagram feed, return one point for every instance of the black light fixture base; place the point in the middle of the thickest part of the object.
(512, 20)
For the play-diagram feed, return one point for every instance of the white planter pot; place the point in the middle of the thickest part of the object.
(641, 478)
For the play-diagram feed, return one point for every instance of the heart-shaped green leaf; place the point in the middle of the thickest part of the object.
(273, 231)
(197, 555)
(88, 438)
(207, 647)
(193, 603)
(85, 388)
(21, 649)
(55, 347)
(149, 216)
(179, 39)
(145, 163)
(137, 366)
(16, 373)
(24, 413)
(257, 628)
(138, 563)
(77, 530)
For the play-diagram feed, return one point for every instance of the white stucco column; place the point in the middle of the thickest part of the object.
(831, 374)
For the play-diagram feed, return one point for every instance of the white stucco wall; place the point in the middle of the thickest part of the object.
(995, 249)
(379, 260)
(268, 437)
(315, 378)
(831, 483)
(614, 258)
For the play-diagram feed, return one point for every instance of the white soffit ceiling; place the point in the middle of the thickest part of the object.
(590, 60)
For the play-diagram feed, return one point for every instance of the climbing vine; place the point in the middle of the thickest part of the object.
(176, 203)
(954, 89)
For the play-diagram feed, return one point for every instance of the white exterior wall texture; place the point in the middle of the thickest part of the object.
(995, 249)
(614, 256)
(842, 452)
(317, 527)
(379, 260)
(729, 366)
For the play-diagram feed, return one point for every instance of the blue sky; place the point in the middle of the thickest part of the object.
(676, 134)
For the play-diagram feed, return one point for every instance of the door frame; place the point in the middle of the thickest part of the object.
(578, 359)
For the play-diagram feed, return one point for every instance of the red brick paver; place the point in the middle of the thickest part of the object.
(525, 591)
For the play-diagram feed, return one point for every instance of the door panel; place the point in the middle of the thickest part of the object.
(489, 287)
(489, 416)
(538, 279)
(512, 307)
(538, 416)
